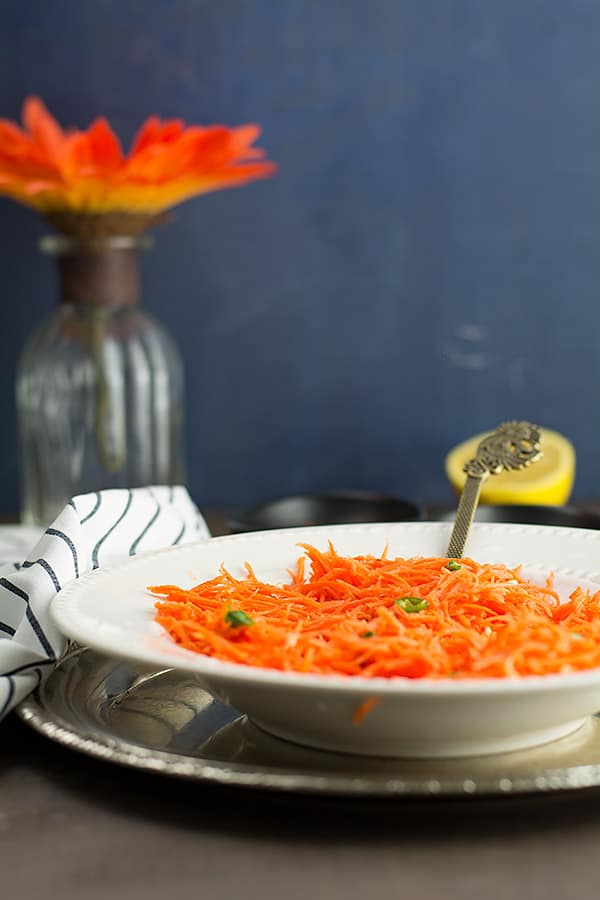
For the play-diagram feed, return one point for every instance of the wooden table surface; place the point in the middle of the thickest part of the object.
(71, 826)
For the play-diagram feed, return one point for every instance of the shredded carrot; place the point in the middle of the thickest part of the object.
(363, 709)
(380, 617)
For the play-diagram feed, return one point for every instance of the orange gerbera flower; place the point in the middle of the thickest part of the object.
(86, 172)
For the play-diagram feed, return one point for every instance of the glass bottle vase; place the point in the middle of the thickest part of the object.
(99, 386)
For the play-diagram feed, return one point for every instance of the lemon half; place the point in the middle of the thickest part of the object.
(548, 482)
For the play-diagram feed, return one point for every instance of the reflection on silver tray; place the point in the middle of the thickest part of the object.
(165, 722)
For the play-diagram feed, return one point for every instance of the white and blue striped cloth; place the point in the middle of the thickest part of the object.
(93, 530)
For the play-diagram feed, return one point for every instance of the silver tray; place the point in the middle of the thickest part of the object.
(165, 722)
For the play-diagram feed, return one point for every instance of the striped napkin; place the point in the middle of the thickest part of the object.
(92, 531)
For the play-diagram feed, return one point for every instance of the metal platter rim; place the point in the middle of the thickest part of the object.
(100, 745)
(128, 754)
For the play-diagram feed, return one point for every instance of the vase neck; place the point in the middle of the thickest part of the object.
(96, 273)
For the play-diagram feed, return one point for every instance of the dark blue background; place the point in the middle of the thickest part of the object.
(425, 265)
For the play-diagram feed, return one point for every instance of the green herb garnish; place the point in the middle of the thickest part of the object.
(237, 617)
(411, 604)
(453, 566)
(368, 634)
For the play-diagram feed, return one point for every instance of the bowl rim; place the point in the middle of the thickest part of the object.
(177, 657)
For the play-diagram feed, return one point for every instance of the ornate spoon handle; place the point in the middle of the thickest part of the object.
(513, 445)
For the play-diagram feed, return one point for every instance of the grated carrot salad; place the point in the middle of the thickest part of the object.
(426, 617)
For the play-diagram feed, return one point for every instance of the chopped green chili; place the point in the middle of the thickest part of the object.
(411, 604)
(453, 566)
(237, 617)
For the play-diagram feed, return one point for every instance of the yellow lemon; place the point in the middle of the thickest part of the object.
(548, 482)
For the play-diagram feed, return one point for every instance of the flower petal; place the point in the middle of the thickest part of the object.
(104, 147)
(43, 128)
(153, 131)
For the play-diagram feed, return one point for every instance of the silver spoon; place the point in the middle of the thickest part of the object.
(513, 445)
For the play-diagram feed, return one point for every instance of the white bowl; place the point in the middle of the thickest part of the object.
(112, 612)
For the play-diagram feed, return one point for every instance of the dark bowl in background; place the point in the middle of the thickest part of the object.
(569, 516)
(332, 508)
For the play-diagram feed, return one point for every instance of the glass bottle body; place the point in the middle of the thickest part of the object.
(100, 404)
